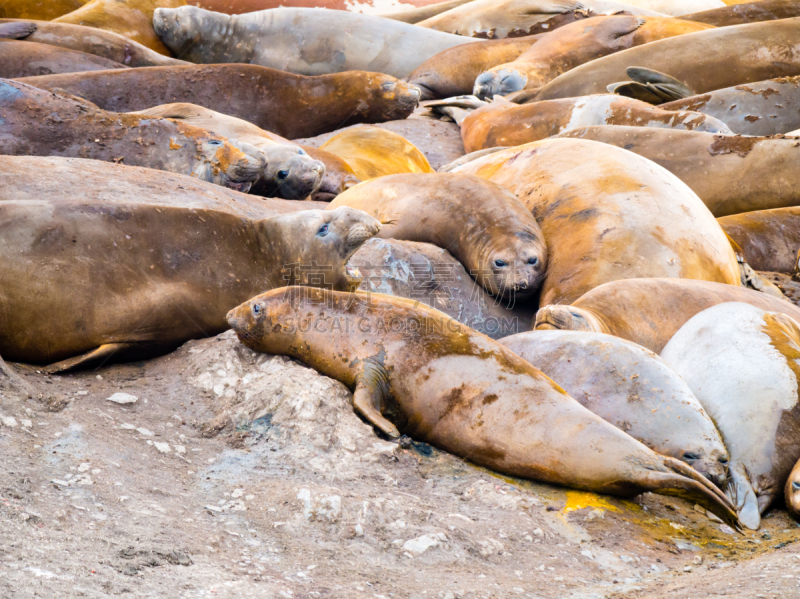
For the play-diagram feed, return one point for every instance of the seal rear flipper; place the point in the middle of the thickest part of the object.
(17, 31)
(658, 84)
(369, 395)
(744, 498)
(96, 356)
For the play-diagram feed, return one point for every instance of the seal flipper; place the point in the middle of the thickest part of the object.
(101, 354)
(650, 86)
(371, 391)
(744, 497)
(17, 31)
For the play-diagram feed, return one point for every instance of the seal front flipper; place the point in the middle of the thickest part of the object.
(96, 356)
(17, 31)
(744, 497)
(370, 394)
(650, 86)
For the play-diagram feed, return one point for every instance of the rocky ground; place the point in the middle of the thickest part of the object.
(236, 474)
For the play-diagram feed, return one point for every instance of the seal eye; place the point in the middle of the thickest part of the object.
(256, 309)
(796, 486)
(323, 230)
(723, 460)
(282, 175)
(691, 457)
(214, 142)
(500, 263)
(533, 261)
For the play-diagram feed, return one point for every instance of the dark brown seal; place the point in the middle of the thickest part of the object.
(769, 239)
(129, 265)
(290, 105)
(750, 12)
(29, 59)
(415, 370)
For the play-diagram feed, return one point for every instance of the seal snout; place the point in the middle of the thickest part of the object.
(498, 83)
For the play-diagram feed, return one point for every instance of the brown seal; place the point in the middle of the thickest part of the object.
(608, 214)
(131, 18)
(235, 7)
(484, 226)
(650, 311)
(761, 108)
(508, 124)
(423, 11)
(792, 493)
(290, 105)
(574, 45)
(415, 370)
(104, 44)
(731, 174)
(128, 276)
(750, 12)
(769, 239)
(44, 10)
(749, 53)
(29, 59)
(36, 122)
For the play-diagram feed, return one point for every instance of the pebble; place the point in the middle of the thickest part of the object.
(8, 421)
(162, 447)
(421, 544)
(144, 432)
(123, 398)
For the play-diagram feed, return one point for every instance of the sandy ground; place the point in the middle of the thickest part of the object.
(236, 474)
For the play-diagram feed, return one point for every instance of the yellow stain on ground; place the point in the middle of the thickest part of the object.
(577, 500)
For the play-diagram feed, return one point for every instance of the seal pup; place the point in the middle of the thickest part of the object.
(29, 59)
(574, 45)
(508, 124)
(41, 123)
(374, 152)
(633, 389)
(650, 311)
(305, 41)
(750, 12)
(743, 365)
(792, 493)
(290, 105)
(484, 226)
(104, 44)
(769, 239)
(438, 381)
(604, 214)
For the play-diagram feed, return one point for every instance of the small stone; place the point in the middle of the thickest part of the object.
(359, 530)
(26, 423)
(528, 538)
(180, 448)
(421, 544)
(9, 421)
(237, 493)
(128, 426)
(123, 398)
(698, 560)
(687, 569)
(144, 432)
(60, 483)
(84, 467)
(538, 533)
(162, 447)
(587, 553)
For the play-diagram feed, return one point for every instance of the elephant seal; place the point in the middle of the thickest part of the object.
(257, 94)
(703, 61)
(650, 311)
(633, 389)
(44, 10)
(496, 19)
(484, 226)
(574, 45)
(509, 124)
(291, 169)
(769, 239)
(742, 365)
(751, 12)
(452, 72)
(731, 174)
(420, 13)
(103, 44)
(608, 214)
(29, 59)
(763, 108)
(305, 41)
(237, 7)
(131, 18)
(133, 279)
(440, 382)
(374, 152)
(792, 493)
(36, 122)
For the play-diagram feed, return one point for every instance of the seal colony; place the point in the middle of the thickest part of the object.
(623, 182)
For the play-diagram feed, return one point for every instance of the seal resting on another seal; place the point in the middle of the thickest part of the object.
(650, 311)
(130, 278)
(131, 18)
(608, 214)
(769, 239)
(305, 41)
(508, 124)
(703, 60)
(751, 12)
(104, 44)
(29, 59)
(633, 389)
(45, 10)
(574, 45)
(84, 131)
(290, 105)
(484, 226)
(743, 365)
(440, 382)
(374, 152)
(792, 493)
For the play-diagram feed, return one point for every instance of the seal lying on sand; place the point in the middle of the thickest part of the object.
(508, 124)
(751, 12)
(290, 105)
(604, 214)
(742, 364)
(134, 279)
(292, 170)
(440, 382)
(633, 389)
(104, 44)
(650, 311)
(731, 174)
(574, 45)
(40, 123)
(305, 41)
(484, 226)
(28, 59)
(792, 493)
(769, 239)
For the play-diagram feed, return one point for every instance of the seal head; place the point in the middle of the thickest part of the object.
(559, 317)
(290, 173)
(792, 493)
(499, 82)
(178, 28)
